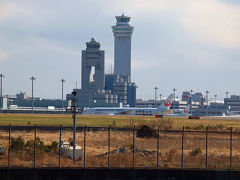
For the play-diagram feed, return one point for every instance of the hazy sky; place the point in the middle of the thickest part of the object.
(182, 44)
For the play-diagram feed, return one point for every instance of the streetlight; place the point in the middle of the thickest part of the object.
(227, 102)
(74, 93)
(191, 91)
(62, 81)
(160, 95)
(227, 94)
(174, 90)
(32, 78)
(215, 97)
(156, 88)
(1, 98)
(207, 92)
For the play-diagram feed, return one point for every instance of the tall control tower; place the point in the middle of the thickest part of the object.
(122, 32)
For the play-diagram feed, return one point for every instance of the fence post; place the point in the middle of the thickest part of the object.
(207, 147)
(231, 148)
(109, 128)
(182, 146)
(9, 145)
(133, 146)
(84, 147)
(59, 147)
(35, 139)
(158, 147)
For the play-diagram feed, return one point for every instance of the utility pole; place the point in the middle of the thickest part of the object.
(1, 98)
(62, 81)
(32, 78)
(174, 91)
(207, 92)
(156, 88)
(74, 124)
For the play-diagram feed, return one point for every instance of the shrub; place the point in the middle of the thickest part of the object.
(195, 152)
(51, 148)
(17, 144)
(29, 146)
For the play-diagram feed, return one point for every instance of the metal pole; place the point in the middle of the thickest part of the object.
(59, 147)
(231, 149)
(74, 132)
(191, 91)
(84, 147)
(1, 103)
(227, 103)
(32, 78)
(133, 147)
(9, 145)
(62, 80)
(158, 147)
(35, 139)
(174, 90)
(109, 129)
(207, 100)
(74, 127)
(156, 88)
(207, 147)
(182, 146)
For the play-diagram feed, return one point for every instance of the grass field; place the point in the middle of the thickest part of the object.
(145, 148)
(118, 121)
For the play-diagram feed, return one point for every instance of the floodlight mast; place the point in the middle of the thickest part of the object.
(62, 81)
(33, 79)
(74, 93)
(174, 91)
(191, 91)
(160, 95)
(156, 88)
(1, 98)
(207, 92)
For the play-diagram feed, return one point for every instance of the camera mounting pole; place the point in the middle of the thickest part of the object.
(74, 124)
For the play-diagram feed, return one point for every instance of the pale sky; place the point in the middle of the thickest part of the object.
(182, 44)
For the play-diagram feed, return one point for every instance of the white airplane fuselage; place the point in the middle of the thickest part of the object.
(124, 111)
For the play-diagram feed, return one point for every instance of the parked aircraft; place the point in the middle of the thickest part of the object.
(131, 110)
(181, 113)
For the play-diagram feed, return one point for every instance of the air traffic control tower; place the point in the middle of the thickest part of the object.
(122, 32)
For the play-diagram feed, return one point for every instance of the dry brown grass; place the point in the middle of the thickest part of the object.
(145, 150)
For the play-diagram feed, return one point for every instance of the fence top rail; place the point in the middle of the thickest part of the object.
(89, 128)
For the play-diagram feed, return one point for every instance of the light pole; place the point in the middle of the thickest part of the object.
(227, 102)
(1, 98)
(32, 78)
(156, 88)
(62, 81)
(174, 91)
(74, 124)
(191, 91)
(160, 95)
(215, 97)
(207, 92)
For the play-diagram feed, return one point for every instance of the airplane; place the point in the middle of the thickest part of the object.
(130, 110)
(180, 113)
